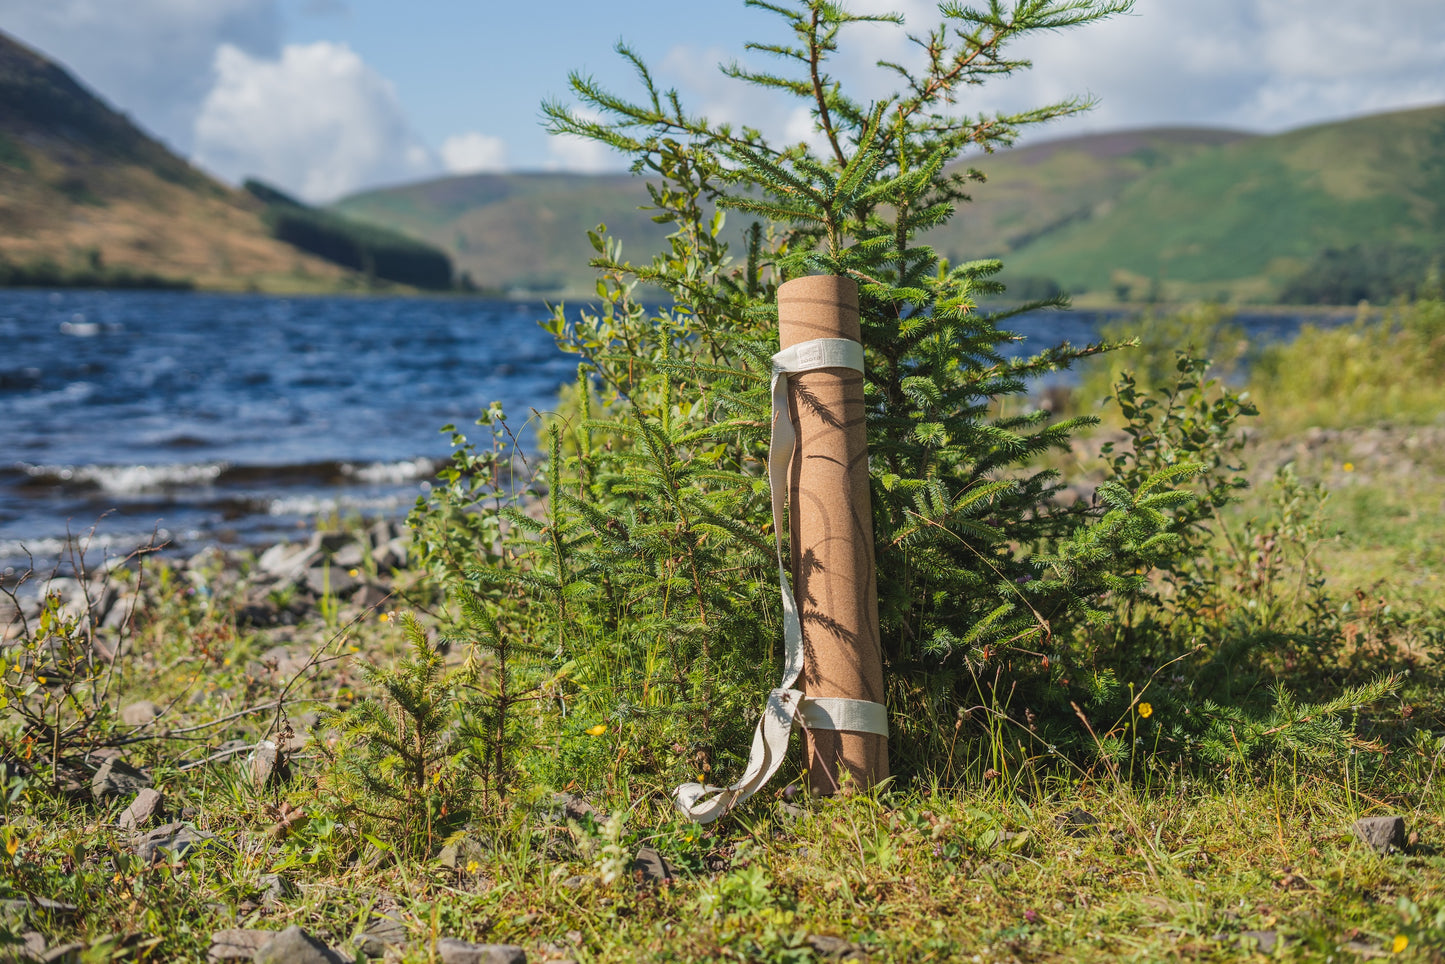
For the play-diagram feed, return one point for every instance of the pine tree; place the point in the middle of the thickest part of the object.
(654, 564)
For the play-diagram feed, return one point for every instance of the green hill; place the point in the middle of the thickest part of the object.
(1247, 219)
(1176, 213)
(521, 233)
(86, 197)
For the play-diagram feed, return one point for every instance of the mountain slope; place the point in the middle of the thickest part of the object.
(516, 232)
(83, 189)
(1173, 213)
(1243, 219)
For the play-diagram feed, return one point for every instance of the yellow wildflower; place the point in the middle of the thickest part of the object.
(597, 730)
(1349, 466)
(1146, 710)
(353, 573)
(1401, 942)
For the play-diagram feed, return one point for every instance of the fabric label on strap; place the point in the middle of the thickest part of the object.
(786, 705)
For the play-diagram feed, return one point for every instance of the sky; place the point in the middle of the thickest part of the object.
(327, 97)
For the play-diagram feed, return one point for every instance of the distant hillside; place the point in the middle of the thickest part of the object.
(1247, 219)
(87, 196)
(1177, 213)
(376, 252)
(521, 233)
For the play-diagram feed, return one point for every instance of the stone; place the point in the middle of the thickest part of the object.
(237, 944)
(1077, 822)
(266, 765)
(575, 882)
(56, 909)
(835, 948)
(335, 580)
(574, 807)
(370, 596)
(1386, 835)
(328, 542)
(649, 867)
(452, 951)
(379, 935)
(172, 840)
(459, 854)
(116, 778)
(278, 888)
(349, 556)
(148, 805)
(295, 946)
(64, 954)
(1265, 939)
(996, 869)
(32, 947)
(287, 664)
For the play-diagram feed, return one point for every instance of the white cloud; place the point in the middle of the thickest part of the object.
(580, 155)
(473, 152)
(1265, 65)
(317, 121)
(151, 58)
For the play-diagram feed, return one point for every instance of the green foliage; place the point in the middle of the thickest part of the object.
(48, 274)
(1151, 345)
(1385, 365)
(651, 566)
(1379, 271)
(638, 555)
(375, 251)
(398, 769)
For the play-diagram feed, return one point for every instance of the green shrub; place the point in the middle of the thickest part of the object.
(1385, 366)
(639, 549)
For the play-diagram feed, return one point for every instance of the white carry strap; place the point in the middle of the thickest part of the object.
(787, 705)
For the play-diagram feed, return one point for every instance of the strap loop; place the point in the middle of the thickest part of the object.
(787, 705)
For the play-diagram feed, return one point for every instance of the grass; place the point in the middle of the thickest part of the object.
(1249, 859)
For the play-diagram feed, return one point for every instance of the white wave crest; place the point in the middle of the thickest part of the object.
(391, 473)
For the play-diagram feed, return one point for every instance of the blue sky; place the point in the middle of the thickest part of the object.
(325, 97)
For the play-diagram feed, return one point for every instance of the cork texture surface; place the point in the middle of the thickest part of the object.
(831, 523)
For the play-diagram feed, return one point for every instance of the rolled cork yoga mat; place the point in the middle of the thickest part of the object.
(831, 520)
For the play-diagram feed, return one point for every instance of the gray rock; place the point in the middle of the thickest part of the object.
(64, 954)
(172, 840)
(295, 946)
(266, 765)
(237, 944)
(349, 556)
(391, 555)
(118, 615)
(1077, 823)
(650, 867)
(370, 596)
(574, 807)
(278, 887)
(56, 909)
(1385, 834)
(458, 854)
(835, 948)
(287, 664)
(576, 882)
(335, 580)
(453, 951)
(32, 947)
(379, 935)
(328, 542)
(1265, 939)
(997, 869)
(14, 913)
(148, 805)
(116, 778)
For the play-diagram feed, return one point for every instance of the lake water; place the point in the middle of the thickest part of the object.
(243, 418)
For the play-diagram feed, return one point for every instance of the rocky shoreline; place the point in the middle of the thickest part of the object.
(288, 583)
